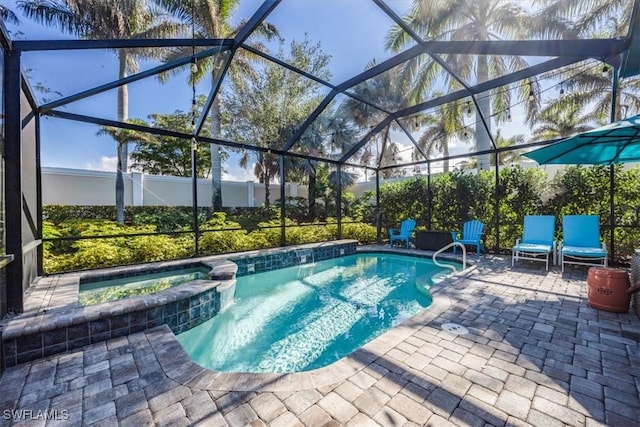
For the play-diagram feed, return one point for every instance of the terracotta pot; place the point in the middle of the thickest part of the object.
(607, 289)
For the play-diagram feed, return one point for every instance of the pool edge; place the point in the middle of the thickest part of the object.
(180, 367)
(57, 326)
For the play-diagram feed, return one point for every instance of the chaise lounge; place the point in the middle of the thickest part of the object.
(537, 243)
(581, 241)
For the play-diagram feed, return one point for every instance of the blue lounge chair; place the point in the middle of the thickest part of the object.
(581, 240)
(404, 233)
(471, 234)
(537, 240)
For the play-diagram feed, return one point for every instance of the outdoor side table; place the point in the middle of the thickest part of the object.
(607, 289)
(432, 240)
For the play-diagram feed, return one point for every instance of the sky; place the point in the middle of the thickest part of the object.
(351, 31)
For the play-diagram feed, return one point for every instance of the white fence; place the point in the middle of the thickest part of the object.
(61, 186)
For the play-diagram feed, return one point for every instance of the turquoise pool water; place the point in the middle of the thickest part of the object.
(127, 287)
(306, 317)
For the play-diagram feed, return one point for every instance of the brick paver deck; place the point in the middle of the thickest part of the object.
(535, 354)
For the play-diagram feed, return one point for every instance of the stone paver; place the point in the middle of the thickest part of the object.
(337, 407)
(513, 404)
(267, 406)
(300, 401)
(536, 354)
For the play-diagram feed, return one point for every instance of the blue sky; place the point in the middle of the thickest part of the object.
(351, 32)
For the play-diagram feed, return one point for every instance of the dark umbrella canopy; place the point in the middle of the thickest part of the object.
(617, 142)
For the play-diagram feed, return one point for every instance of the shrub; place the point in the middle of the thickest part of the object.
(165, 221)
(249, 218)
(296, 208)
(96, 254)
(226, 240)
(214, 242)
(363, 233)
(150, 215)
(155, 248)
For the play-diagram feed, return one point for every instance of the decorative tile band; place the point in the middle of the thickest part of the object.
(251, 263)
(58, 330)
(196, 303)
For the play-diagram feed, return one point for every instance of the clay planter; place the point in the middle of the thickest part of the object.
(607, 289)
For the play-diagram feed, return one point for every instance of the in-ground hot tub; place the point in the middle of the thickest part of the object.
(96, 290)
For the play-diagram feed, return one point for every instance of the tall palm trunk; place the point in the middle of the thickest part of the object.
(122, 149)
(445, 154)
(312, 195)
(119, 190)
(483, 141)
(267, 181)
(216, 162)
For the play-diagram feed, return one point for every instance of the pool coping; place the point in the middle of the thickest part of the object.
(181, 368)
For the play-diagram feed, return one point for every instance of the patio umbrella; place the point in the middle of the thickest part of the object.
(617, 142)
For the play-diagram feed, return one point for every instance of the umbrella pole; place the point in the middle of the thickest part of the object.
(612, 213)
(612, 216)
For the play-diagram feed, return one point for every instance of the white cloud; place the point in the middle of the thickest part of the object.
(239, 174)
(106, 163)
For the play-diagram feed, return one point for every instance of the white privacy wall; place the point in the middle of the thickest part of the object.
(62, 186)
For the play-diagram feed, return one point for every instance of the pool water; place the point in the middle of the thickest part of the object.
(127, 287)
(306, 317)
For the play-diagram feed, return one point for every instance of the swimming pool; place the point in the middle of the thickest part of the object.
(305, 317)
(96, 292)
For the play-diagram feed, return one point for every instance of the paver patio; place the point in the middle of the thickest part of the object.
(535, 354)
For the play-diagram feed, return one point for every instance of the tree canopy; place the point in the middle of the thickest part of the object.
(284, 98)
(168, 155)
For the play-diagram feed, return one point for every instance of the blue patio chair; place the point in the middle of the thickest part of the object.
(581, 241)
(537, 240)
(404, 233)
(472, 232)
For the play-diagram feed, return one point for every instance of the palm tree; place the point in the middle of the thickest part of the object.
(338, 134)
(123, 137)
(511, 156)
(7, 15)
(265, 169)
(386, 90)
(347, 179)
(592, 89)
(341, 131)
(305, 170)
(480, 20)
(562, 119)
(585, 16)
(109, 19)
(266, 106)
(390, 157)
(330, 135)
(211, 19)
(445, 125)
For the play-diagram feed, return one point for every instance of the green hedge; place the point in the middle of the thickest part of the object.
(219, 235)
(456, 198)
